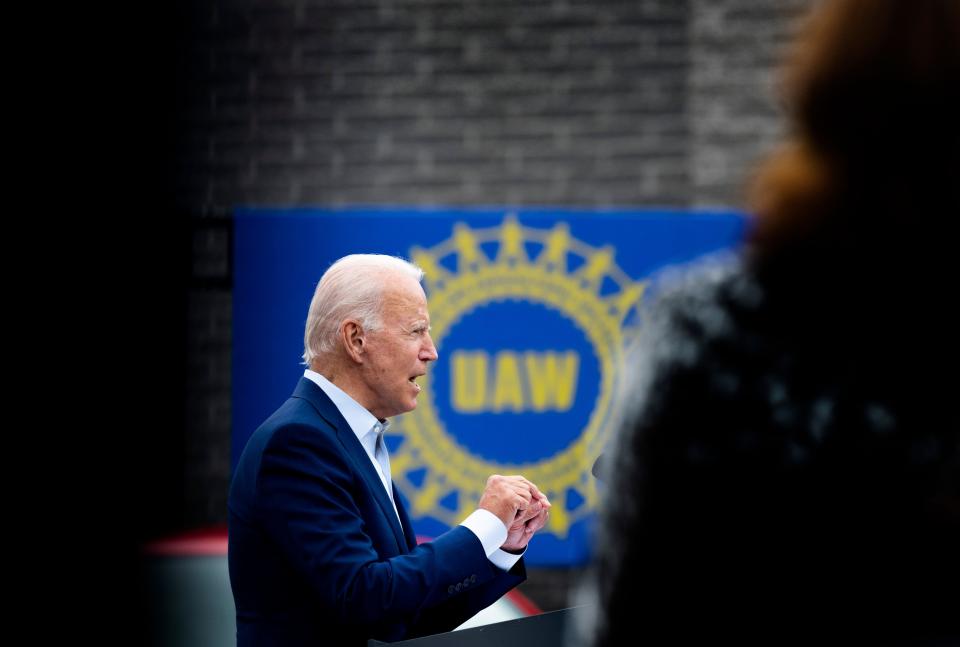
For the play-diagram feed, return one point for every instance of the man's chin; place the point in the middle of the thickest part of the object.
(406, 408)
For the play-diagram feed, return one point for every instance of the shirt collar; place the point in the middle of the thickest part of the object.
(361, 421)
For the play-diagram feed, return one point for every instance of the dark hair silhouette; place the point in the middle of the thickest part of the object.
(872, 89)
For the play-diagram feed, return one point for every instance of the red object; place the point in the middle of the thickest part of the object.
(524, 605)
(202, 542)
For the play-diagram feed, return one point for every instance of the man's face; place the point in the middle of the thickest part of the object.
(399, 352)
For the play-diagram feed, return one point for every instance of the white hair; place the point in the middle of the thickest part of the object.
(352, 288)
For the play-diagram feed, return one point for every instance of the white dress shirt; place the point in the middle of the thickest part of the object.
(484, 524)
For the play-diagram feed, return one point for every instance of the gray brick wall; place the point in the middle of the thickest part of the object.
(573, 102)
(735, 50)
(438, 102)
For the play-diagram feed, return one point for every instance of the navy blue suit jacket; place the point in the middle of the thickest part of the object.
(316, 554)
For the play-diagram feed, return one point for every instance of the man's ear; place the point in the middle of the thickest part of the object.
(353, 339)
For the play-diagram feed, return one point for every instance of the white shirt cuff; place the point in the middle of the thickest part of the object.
(504, 560)
(492, 533)
(488, 528)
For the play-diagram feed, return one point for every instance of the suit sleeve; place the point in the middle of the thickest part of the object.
(305, 487)
(454, 612)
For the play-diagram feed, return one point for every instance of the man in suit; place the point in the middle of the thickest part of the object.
(321, 547)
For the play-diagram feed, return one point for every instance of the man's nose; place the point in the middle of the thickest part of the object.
(429, 352)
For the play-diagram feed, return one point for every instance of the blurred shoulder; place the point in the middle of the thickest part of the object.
(693, 305)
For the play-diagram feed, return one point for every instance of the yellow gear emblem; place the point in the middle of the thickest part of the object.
(513, 273)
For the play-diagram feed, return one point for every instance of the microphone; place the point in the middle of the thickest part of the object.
(598, 466)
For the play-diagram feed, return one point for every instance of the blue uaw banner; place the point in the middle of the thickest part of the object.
(531, 310)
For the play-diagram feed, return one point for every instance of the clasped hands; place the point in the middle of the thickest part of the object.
(521, 507)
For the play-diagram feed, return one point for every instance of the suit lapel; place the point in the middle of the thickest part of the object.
(329, 412)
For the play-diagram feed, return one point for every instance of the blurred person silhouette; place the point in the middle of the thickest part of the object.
(788, 466)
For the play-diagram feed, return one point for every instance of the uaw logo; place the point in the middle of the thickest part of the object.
(531, 326)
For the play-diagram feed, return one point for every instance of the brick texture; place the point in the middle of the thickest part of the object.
(735, 51)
